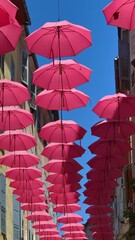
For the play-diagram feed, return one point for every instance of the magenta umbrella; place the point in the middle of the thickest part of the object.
(23, 174)
(16, 140)
(98, 201)
(26, 198)
(103, 235)
(60, 74)
(7, 12)
(101, 228)
(58, 188)
(39, 216)
(47, 232)
(27, 184)
(77, 238)
(101, 185)
(64, 198)
(104, 175)
(93, 193)
(116, 106)
(102, 219)
(63, 178)
(62, 131)
(61, 99)
(99, 209)
(32, 192)
(63, 151)
(32, 207)
(13, 118)
(72, 227)
(67, 208)
(74, 234)
(50, 237)
(59, 39)
(69, 218)
(120, 14)
(44, 224)
(19, 159)
(62, 166)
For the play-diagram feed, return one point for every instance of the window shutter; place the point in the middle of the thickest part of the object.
(16, 218)
(3, 203)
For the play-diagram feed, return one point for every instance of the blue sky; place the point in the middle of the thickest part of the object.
(99, 58)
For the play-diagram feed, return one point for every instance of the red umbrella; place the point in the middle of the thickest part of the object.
(23, 174)
(102, 219)
(62, 166)
(99, 201)
(59, 39)
(32, 207)
(101, 185)
(63, 178)
(60, 74)
(113, 129)
(107, 147)
(53, 237)
(62, 151)
(104, 175)
(12, 93)
(58, 188)
(99, 209)
(27, 184)
(70, 218)
(7, 12)
(47, 232)
(93, 193)
(72, 227)
(19, 159)
(26, 198)
(77, 238)
(68, 208)
(16, 140)
(58, 99)
(74, 234)
(101, 228)
(120, 14)
(116, 106)
(44, 224)
(62, 131)
(39, 216)
(32, 192)
(103, 235)
(61, 198)
(12, 118)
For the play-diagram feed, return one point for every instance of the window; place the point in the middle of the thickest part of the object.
(2, 65)
(12, 69)
(25, 74)
(3, 203)
(33, 91)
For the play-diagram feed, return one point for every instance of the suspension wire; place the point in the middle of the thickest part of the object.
(58, 10)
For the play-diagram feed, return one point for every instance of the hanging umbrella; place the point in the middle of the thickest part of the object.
(7, 12)
(120, 14)
(12, 118)
(72, 227)
(62, 166)
(31, 199)
(104, 175)
(69, 218)
(27, 184)
(77, 238)
(12, 93)
(100, 201)
(60, 38)
(60, 74)
(116, 106)
(58, 99)
(58, 188)
(99, 209)
(68, 208)
(19, 159)
(103, 235)
(101, 228)
(32, 192)
(64, 198)
(102, 219)
(109, 148)
(16, 140)
(62, 151)
(93, 193)
(23, 174)
(62, 131)
(74, 234)
(39, 216)
(47, 232)
(44, 224)
(32, 207)
(51, 237)
(63, 178)
(101, 185)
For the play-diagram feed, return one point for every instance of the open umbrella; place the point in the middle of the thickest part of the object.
(32, 207)
(58, 188)
(7, 12)
(63, 151)
(63, 179)
(27, 184)
(13, 118)
(102, 184)
(69, 218)
(60, 74)
(121, 14)
(39, 216)
(64, 198)
(19, 159)
(50, 237)
(99, 209)
(23, 174)
(67, 208)
(26, 198)
(104, 175)
(47, 232)
(44, 224)
(102, 219)
(101, 228)
(59, 39)
(74, 234)
(16, 140)
(103, 200)
(116, 106)
(62, 131)
(32, 192)
(72, 227)
(58, 99)
(103, 235)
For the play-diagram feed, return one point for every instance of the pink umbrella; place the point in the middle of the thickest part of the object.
(27, 184)
(74, 234)
(50, 237)
(32, 192)
(26, 198)
(62, 151)
(116, 106)
(62, 166)
(98, 201)
(12, 93)
(47, 232)
(63, 178)
(70, 218)
(19, 159)
(32, 207)
(109, 148)
(16, 140)
(23, 174)
(60, 74)
(7, 12)
(44, 224)
(58, 99)
(101, 228)
(120, 14)
(101, 185)
(62, 131)
(58, 188)
(102, 219)
(77, 238)
(93, 193)
(103, 235)
(39, 216)
(61, 39)
(68, 208)
(72, 227)
(104, 175)
(99, 209)
(12, 118)
(64, 198)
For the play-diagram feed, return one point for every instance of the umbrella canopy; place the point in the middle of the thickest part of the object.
(58, 99)
(120, 14)
(12, 118)
(63, 178)
(60, 74)
(101, 235)
(32, 192)
(12, 93)
(104, 175)
(116, 106)
(108, 147)
(101, 228)
(27, 184)
(16, 140)
(19, 159)
(72, 227)
(32, 207)
(44, 224)
(53, 237)
(101, 200)
(58, 188)
(70, 218)
(61, 39)
(47, 232)
(23, 174)
(74, 234)
(113, 129)
(99, 209)
(64, 198)
(26, 198)
(39, 216)
(93, 193)
(7, 12)
(102, 219)
(62, 166)
(101, 185)
(63, 151)
(68, 208)
(62, 131)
